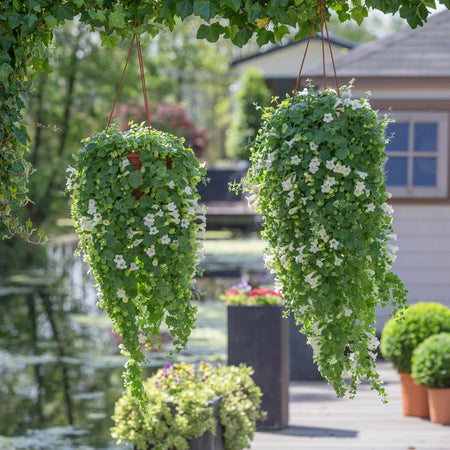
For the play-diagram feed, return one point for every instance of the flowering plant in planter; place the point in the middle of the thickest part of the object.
(178, 400)
(243, 294)
(141, 231)
(317, 178)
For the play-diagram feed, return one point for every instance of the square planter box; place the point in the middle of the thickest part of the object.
(259, 337)
(303, 366)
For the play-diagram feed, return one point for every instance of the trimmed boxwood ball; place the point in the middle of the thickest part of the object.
(430, 364)
(403, 333)
(317, 179)
(141, 231)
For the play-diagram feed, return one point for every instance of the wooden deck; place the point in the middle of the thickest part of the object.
(318, 420)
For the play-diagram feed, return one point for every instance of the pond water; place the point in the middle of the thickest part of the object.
(60, 368)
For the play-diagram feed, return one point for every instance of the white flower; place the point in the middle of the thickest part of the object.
(389, 195)
(125, 299)
(268, 164)
(287, 184)
(356, 104)
(334, 243)
(295, 160)
(314, 165)
(338, 102)
(346, 171)
(187, 190)
(92, 209)
(125, 163)
(149, 220)
(121, 264)
(134, 266)
(370, 207)
(271, 157)
(347, 101)
(155, 262)
(153, 230)
(131, 234)
(150, 251)
(360, 186)
(347, 311)
(363, 175)
(313, 146)
(293, 210)
(175, 243)
(184, 223)
(333, 360)
(314, 247)
(171, 206)
(289, 143)
(331, 181)
(388, 209)
(118, 258)
(319, 263)
(136, 242)
(337, 261)
(97, 217)
(171, 184)
(121, 293)
(304, 199)
(106, 222)
(330, 164)
(325, 188)
(165, 239)
(160, 213)
(311, 280)
(327, 117)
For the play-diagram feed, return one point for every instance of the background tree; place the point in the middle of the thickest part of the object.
(252, 94)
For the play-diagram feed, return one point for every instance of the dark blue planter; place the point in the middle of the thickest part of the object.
(302, 365)
(259, 337)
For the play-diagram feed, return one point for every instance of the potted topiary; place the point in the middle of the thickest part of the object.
(317, 179)
(400, 337)
(136, 211)
(430, 367)
(187, 407)
(258, 335)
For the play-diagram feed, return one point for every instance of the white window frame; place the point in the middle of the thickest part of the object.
(441, 188)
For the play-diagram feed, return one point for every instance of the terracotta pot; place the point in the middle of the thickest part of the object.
(439, 402)
(414, 397)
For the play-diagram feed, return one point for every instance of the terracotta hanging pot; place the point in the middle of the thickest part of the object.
(414, 397)
(439, 403)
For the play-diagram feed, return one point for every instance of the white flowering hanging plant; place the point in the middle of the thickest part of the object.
(141, 231)
(317, 178)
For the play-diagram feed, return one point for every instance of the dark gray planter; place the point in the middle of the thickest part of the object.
(259, 337)
(302, 365)
(207, 441)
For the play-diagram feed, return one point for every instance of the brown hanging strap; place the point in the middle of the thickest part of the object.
(320, 7)
(144, 89)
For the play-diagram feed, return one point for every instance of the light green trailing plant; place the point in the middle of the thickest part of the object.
(317, 178)
(431, 362)
(404, 332)
(178, 400)
(143, 252)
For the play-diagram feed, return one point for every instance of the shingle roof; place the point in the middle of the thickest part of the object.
(269, 48)
(422, 52)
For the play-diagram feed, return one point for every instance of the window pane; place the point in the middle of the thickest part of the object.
(396, 171)
(399, 142)
(425, 137)
(424, 172)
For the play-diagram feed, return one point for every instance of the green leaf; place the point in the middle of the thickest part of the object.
(280, 31)
(20, 135)
(341, 153)
(5, 70)
(205, 9)
(210, 33)
(242, 36)
(233, 4)
(135, 179)
(185, 8)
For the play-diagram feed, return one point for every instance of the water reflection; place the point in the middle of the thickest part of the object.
(60, 368)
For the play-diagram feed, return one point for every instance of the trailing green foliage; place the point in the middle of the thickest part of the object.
(404, 332)
(177, 407)
(26, 31)
(317, 178)
(251, 96)
(143, 251)
(430, 364)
